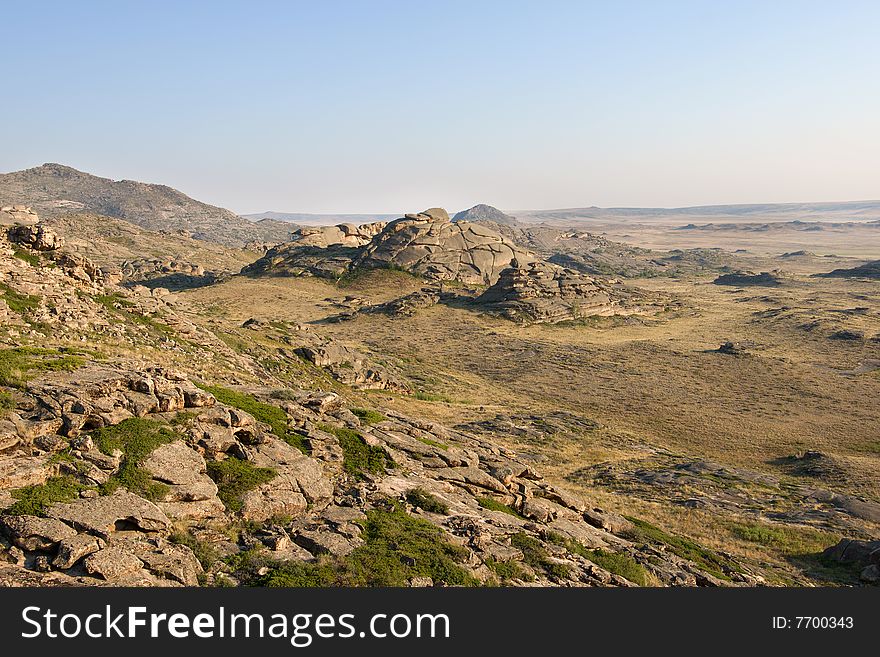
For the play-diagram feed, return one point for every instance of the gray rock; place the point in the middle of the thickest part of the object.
(71, 550)
(32, 533)
(121, 511)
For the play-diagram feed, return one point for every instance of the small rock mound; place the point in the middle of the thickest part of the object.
(542, 292)
(483, 213)
(764, 279)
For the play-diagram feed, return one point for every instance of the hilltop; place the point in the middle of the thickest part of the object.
(54, 190)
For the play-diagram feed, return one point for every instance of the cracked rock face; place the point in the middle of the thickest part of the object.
(430, 245)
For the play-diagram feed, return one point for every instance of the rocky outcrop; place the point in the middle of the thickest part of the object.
(35, 236)
(430, 245)
(348, 365)
(295, 259)
(541, 292)
(11, 215)
(863, 556)
(341, 235)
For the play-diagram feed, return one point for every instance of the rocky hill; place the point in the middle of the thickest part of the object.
(430, 245)
(427, 244)
(54, 190)
(483, 213)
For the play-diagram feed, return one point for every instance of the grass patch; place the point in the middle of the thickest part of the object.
(494, 505)
(359, 458)
(368, 416)
(7, 403)
(536, 556)
(235, 477)
(790, 541)
(17, 363)
(433, 443)
(433, 397)
(263, 412)
(136, 438)
(422, 499)
(508, 570)
(706, 559)
(17, 302)
(397, 547)
(36, 500)
(31, 258)
(206, 553)
(370, 276)
(617, 563)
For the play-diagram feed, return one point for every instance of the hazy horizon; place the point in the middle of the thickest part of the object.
(354, 108)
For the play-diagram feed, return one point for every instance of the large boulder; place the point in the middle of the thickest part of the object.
(11, 215)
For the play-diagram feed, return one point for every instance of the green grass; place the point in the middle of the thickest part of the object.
(535, 555)
(365, 275)
(17, 363)
(706, 559)
(790, 541)
(136, 438)
(617, 563)
(7, 403)
(206, 553)
(494, 505)
(397, 547)
(36, 500)
(422, 499)
(359, 458)
(263, 412)
(31, 258)
(17, 302)
(433, 397)
(235, 477)
(508, 570)
(433, 443)
(368, 416)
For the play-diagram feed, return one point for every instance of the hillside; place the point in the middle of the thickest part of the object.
(54, 190)
(485, 214)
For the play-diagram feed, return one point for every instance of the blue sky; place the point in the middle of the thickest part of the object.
(395, 106)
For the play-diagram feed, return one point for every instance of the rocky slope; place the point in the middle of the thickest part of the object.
(55, 190)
